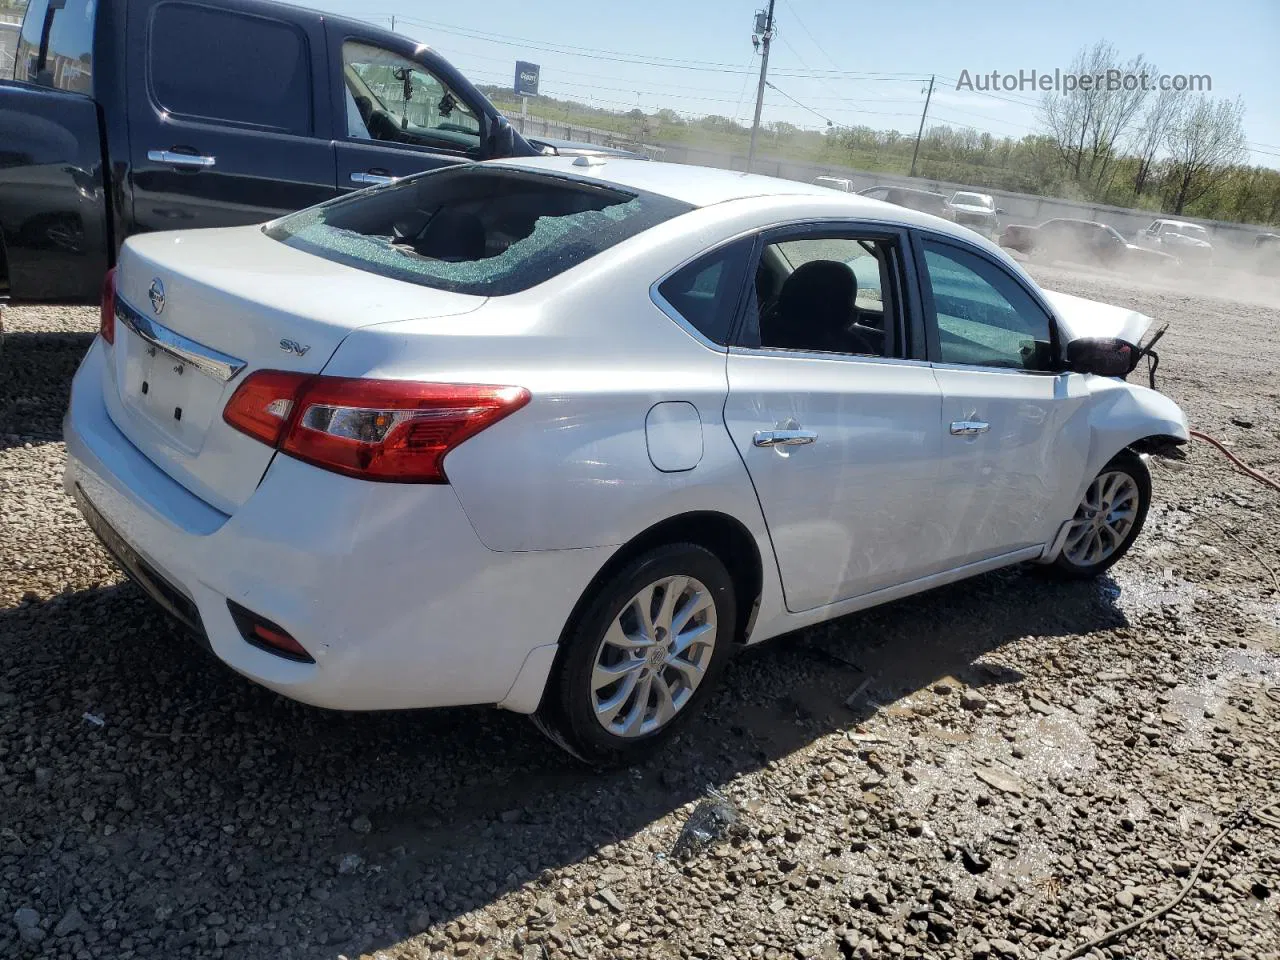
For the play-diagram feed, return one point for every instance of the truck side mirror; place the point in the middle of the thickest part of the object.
(1102, 356)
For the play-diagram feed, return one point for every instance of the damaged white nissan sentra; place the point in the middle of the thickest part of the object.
(559, 435)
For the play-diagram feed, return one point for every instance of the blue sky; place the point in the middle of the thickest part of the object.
(830, 57)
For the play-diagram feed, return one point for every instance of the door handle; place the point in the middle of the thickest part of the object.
(370, 179)
(181, 159)
(783, 438)
(968, 428)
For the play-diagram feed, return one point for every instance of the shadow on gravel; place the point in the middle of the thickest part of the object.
(206, 812)
(35, 384)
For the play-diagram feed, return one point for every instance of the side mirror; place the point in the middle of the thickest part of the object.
(501, 139)
(1102, 356)
(1000, 211)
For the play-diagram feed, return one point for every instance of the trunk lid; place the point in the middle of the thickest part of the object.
(1079, 319)
(197, 312)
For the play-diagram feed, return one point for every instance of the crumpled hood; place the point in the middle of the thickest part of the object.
(1079, 319)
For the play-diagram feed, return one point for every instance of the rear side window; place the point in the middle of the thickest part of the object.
(218, 65)
(56, 47)
(706, 292)
(477, 230)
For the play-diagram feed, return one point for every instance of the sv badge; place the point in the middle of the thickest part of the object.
(293, 346)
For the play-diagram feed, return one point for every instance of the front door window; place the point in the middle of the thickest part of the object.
(984, 318)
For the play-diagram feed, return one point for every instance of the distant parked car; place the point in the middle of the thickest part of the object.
(977, 211)
(1189, 242)
(383, 453)
(926, 201)
(835, 183)
(1083, 241)
(1266, 247)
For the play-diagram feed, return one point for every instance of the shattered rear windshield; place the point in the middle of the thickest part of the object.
(474, 230)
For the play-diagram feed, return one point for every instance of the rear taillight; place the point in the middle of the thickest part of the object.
(107, 309)
(391, 430)
(261, 405)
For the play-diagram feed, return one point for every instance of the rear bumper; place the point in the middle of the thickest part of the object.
(386, 585)
(983, 225)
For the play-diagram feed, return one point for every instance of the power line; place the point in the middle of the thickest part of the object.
(802, 106)
(812, 39)
(569, 50)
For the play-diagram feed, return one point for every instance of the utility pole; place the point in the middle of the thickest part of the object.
(920, 132)
(766, 39)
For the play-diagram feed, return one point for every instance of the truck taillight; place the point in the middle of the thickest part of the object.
(107, 308)
(396, 431)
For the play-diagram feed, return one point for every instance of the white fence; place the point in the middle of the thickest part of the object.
(9, 24)
(1018, 207)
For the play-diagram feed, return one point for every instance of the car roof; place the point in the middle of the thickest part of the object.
(698, 186)
(709, 186)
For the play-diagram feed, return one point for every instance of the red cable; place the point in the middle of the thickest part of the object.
(1248, 470)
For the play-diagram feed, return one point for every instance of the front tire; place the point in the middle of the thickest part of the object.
(643, 655)
(1108, 519)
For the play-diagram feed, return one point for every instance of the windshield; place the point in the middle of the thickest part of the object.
(478, 230)
(973, 200)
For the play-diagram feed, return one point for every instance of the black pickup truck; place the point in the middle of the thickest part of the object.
(134, 115)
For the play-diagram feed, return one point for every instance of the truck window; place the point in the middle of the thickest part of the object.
(194, 73)
(56, 48)
(400, 101)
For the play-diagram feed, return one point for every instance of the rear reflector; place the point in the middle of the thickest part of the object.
(265, 635)
(396, 431)
(107, 307)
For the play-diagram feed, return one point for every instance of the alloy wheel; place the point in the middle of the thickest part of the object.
(1104, 519)
(653, 656)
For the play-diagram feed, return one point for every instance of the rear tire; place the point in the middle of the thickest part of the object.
(1108, 519)
(642, 656)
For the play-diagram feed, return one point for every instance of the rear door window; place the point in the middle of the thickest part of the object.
(56, 47)
(472, 229)
(228, 67)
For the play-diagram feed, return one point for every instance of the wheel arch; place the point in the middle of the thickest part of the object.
(725, 536)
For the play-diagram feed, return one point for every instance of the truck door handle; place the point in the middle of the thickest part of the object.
(181, 159)
(370, 179)
(968, 428)
(783, 438)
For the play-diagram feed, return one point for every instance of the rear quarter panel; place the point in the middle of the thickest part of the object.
(573, 468)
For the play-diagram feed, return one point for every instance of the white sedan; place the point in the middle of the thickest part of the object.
(560, 435)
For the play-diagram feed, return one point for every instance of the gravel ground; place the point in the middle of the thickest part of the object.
(1000, 769)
